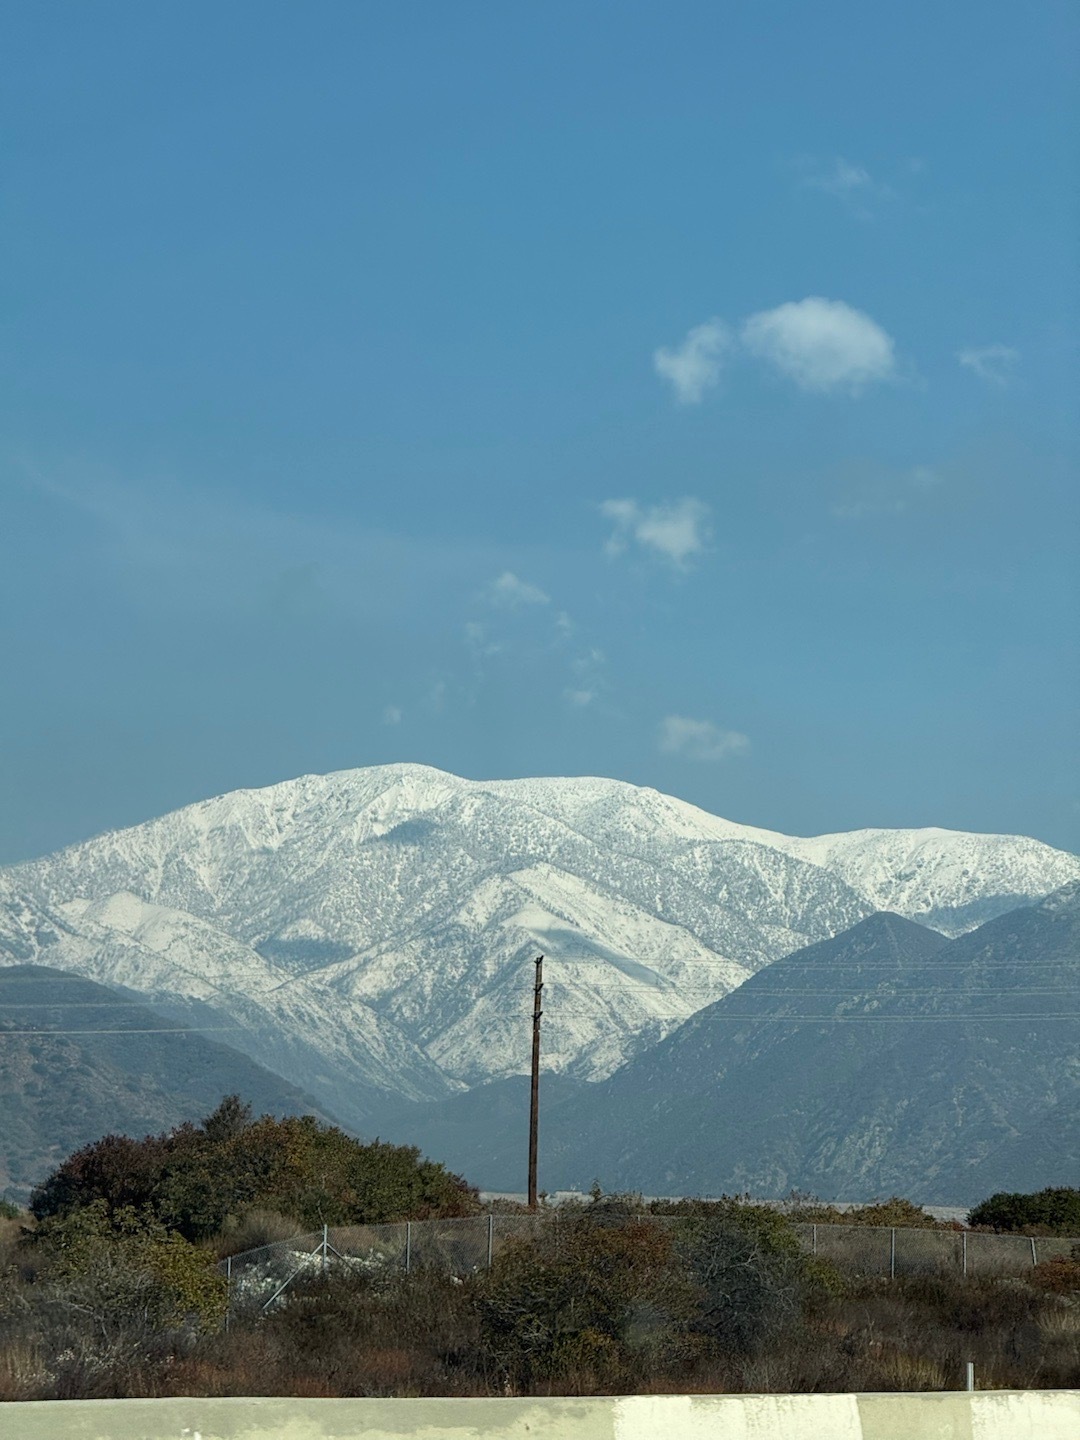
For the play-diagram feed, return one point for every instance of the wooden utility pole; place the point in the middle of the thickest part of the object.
(534, 1102)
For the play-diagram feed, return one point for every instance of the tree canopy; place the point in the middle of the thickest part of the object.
(196, 1178)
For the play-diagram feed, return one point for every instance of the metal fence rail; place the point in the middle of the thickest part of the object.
(258, 1279)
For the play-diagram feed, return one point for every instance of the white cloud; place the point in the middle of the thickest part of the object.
(579, 698)
(392, 715)
(851, 184)
(699, 739)
(508, 592)
(823, 345)
(992, 363)
(479, 641)
(839, 177)
(677, 531)
(591, 660)
(694, 366)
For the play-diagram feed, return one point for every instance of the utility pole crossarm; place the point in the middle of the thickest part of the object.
(534, 1099)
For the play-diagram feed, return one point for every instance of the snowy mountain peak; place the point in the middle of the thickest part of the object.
(391, 913)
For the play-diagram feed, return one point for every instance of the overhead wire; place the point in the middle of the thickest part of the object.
(134, 1030)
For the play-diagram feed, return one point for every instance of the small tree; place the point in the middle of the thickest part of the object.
(751, 1274)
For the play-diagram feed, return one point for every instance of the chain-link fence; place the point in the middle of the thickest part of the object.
(879, 1250)
(259, 1279)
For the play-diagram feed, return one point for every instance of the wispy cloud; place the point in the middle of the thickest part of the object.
(479, 642)
(521, 628)
(678, 532)
(849, 183)
(694, 366)
(699, 739)
(995, 364)
(392, 715)
(889, 494)
(509, 593)
(823, 345)
(590, 681)
(579, 699)
(179, 548)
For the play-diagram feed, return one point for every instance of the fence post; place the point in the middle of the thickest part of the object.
(963, 1252)
(325, 1238)
(228, 1290)
(892, 1253)
(408, 1247)
(491, 1238)
(971, 1375)
(1034, 1257)
(813, 1240)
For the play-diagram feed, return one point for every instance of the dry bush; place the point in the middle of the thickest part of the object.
(349, 1334)
(252, 1230)
(23, 1372)
(592, 1315)
(895, 1212)
(720, 1301)
(1060, 1276)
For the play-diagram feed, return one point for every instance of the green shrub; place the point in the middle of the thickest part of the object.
(122, 1267)
(1045, 1212)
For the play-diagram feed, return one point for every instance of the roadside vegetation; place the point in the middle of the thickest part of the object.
(111, 1286)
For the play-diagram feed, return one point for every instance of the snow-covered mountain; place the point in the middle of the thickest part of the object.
(943, 878)
(373, 927)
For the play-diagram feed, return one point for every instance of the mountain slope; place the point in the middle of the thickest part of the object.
(78, 1061)
(371, 930)
(338, 1049)
(887, 1059)
(1046, 1152)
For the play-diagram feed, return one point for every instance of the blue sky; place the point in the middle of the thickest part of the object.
(682, 393)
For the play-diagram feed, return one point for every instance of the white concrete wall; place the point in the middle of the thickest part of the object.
(990, 1415)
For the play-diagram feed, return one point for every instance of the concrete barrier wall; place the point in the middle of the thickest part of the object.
(991, 1415)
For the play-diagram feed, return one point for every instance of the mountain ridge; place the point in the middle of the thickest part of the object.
(954, 1056)
(370, 930)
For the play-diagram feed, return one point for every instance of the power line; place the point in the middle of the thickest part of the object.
(900, 990)
(161, 1030)
(118, 1004)
(821, 1019)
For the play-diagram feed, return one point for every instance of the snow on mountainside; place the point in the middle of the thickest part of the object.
(379, 922)
(947, 879)
(208, 979)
